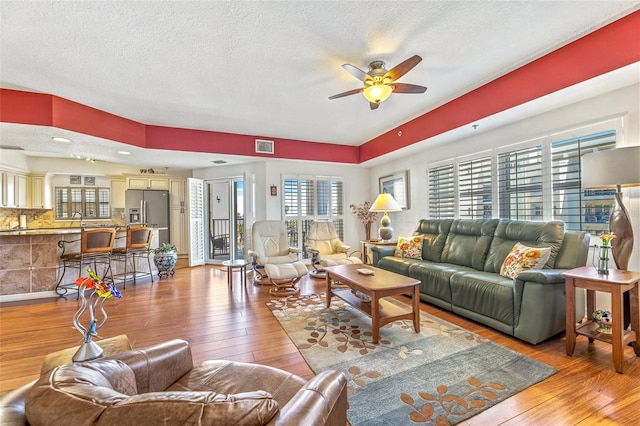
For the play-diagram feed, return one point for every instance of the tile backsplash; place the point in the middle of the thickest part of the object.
(38, 218)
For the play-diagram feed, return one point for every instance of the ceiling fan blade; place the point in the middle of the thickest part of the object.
(356, 72)
(408, 88)
(403, 67)
(350, 92)
(374, 105)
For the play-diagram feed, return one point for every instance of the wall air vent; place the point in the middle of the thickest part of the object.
(264, 147)
(219, 162)
(11, 147)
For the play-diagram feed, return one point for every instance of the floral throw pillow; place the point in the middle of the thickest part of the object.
(409, 247)
(522, 258)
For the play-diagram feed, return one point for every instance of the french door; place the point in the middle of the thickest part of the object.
(224, 213)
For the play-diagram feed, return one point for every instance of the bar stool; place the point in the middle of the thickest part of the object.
(137, 247)
(95, 248)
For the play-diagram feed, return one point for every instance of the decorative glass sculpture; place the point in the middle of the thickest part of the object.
(100, 292)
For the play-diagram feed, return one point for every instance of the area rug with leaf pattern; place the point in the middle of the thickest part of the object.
(442, 375)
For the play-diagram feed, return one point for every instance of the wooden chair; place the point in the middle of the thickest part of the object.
(95, 248)
(138, 246)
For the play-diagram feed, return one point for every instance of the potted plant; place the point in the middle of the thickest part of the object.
(165, 258)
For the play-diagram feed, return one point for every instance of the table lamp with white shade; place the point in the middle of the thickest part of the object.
(385, 203)
(615, 168)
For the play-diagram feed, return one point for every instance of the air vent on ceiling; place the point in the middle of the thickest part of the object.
(264, 147)
(11, 147)
(219, 162)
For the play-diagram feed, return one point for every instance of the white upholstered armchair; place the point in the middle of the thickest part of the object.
(326, 248)
(274, 261)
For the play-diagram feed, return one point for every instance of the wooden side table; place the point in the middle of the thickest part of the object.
(616, 283)
(370, 243)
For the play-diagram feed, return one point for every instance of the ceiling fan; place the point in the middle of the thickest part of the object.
(380, 83)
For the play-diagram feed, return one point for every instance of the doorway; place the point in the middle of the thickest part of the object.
(224, 210)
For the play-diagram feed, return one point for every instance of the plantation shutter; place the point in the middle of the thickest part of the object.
(474, 186)
(520, 184)
(441, 192)
(581, 210)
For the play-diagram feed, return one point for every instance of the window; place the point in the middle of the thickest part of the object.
(441, 192)
(475, 189)
(537, 180)
(78, 203)
(520, 184)
(580, 209)
(312, 198)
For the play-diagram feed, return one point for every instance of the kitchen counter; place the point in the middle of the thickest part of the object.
(48, 231)
(58, 231)
(30, 264)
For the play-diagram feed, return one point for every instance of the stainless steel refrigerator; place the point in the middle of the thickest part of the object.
(150, 207)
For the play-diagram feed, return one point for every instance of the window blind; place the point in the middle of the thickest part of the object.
(474, 186)
(520, 184)
(441, 192)
(581, 210)
(309, 199)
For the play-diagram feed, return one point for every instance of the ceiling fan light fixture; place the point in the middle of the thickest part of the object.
(377, 93)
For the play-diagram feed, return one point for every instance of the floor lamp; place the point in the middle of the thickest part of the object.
(615, 168)
(385, 203)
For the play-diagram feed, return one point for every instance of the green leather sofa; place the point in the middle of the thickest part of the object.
(460, 265)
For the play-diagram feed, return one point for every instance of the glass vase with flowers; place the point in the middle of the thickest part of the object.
(603, 253)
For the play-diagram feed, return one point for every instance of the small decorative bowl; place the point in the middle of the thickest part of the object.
(603, 319)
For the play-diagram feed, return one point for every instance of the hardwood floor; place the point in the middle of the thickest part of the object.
(196, 305)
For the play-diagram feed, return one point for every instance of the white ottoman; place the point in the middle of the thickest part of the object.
(284, 277)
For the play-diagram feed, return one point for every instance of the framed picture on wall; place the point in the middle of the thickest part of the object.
(397, 185)
(89, 180)
(75, 180)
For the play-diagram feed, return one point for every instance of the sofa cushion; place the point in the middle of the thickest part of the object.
(228, 377)
(468, 242)
(193, 408)
(399, 265)
(531, 234)
(85, 390)
(487, 294)
(434, 278)
(409, 247)
(434, 234)
(522, 258)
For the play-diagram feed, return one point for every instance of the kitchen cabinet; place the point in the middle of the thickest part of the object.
(8, 189)
(148, 182)
(118, 188)
(39, 193)
(179, 214)
(3, 192)
(20, 182)
(14, 189)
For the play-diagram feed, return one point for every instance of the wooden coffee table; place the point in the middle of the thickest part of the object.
(377, 286)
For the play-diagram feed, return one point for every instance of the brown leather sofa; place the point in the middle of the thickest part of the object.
(160, 385)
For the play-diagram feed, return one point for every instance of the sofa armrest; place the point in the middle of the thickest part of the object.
(296, 250)
(321, 401)
(12, 406)
(542, 276)
(378, 252)
(341, 247)
(159, 366)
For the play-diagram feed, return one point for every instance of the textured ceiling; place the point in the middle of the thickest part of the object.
(268, 68)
